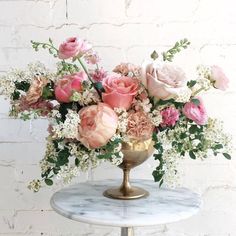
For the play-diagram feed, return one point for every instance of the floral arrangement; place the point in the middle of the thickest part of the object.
(92, 112)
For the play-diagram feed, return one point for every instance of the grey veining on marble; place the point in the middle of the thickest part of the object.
(84, 202)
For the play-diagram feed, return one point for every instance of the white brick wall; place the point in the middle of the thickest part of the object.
(121, 30)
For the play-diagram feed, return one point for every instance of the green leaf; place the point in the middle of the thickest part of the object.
(51, 160)
(218, 146)
(226, 155)
(191, 83)
(192, 155)
(195, 101)
(154, 55)
(182, 136)
(104, 156)
(193, 129)
(48, 182)
(77, 161)
(157, 175)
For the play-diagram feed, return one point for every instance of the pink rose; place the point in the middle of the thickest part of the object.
(119, 91)
(73, 47)
(220, 80)
(194, 112)
(163, 82)
(139, 126)
(170, 116)
(65, 87)
(98, 124)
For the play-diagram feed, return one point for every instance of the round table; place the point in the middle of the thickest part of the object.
(84, 202)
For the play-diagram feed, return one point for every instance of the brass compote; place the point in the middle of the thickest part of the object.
(135, 153)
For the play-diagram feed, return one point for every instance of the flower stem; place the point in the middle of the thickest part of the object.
(89, 77)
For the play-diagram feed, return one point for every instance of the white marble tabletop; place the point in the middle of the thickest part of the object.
(85, 202)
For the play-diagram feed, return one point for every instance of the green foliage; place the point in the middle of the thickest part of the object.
(191, 83)
(195, 101)
(226, 155)
(66, 67)
(169, 55)
(23, 85)
(154, 55)
(48, 91)
(48, 182)
(49, 46)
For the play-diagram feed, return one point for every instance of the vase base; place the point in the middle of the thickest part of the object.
(133, 193)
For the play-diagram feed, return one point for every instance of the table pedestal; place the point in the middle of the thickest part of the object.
(127, 231)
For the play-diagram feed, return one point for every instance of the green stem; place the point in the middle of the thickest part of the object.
(89, 77)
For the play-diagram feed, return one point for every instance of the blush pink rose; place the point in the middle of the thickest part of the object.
(98, 124)
(65, 87)
(170, 116)
(73, 47)
(163, 81)
(194, 112)
(119, 91)
(220, 80)
(139, 126)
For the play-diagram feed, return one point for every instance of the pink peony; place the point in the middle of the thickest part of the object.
(65, 87)
(73, 47)
(170, 116)
(119, 91)
(139, 126)
(98, 124)
(163, 82)
(220, 80)
(194, 112)
(99, 75)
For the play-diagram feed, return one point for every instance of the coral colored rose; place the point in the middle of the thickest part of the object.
(36, 89)
(220, 80)
(67, 85)
(119, 91)
(73, 47)
(194, 112)
(139, 126)
(170, 116)
(98, 124)
(163, 82)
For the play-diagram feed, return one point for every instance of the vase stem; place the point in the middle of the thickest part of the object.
(125, 188)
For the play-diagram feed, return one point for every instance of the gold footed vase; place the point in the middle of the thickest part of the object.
(135, 153)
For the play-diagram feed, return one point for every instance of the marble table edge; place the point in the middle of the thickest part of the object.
(93, 221)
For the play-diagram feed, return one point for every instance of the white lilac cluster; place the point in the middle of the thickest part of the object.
(171, 158)
(117, 160)
(34, 185)
(67, 173)
(50, 153)
(214, 133)
(122, 119)
(155, 117)
(86, 159)
(203, 81)
(184, 95)
(68, 129)
(144, 104)
(7, 82)
(86, 97)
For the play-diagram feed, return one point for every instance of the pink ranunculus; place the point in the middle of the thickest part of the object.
(163, 81)
(65, 86)
(98, 124)
(170, 116)
(194, 112)
(219, 78)
(119, 91)
(73, 47)
(139, 126)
